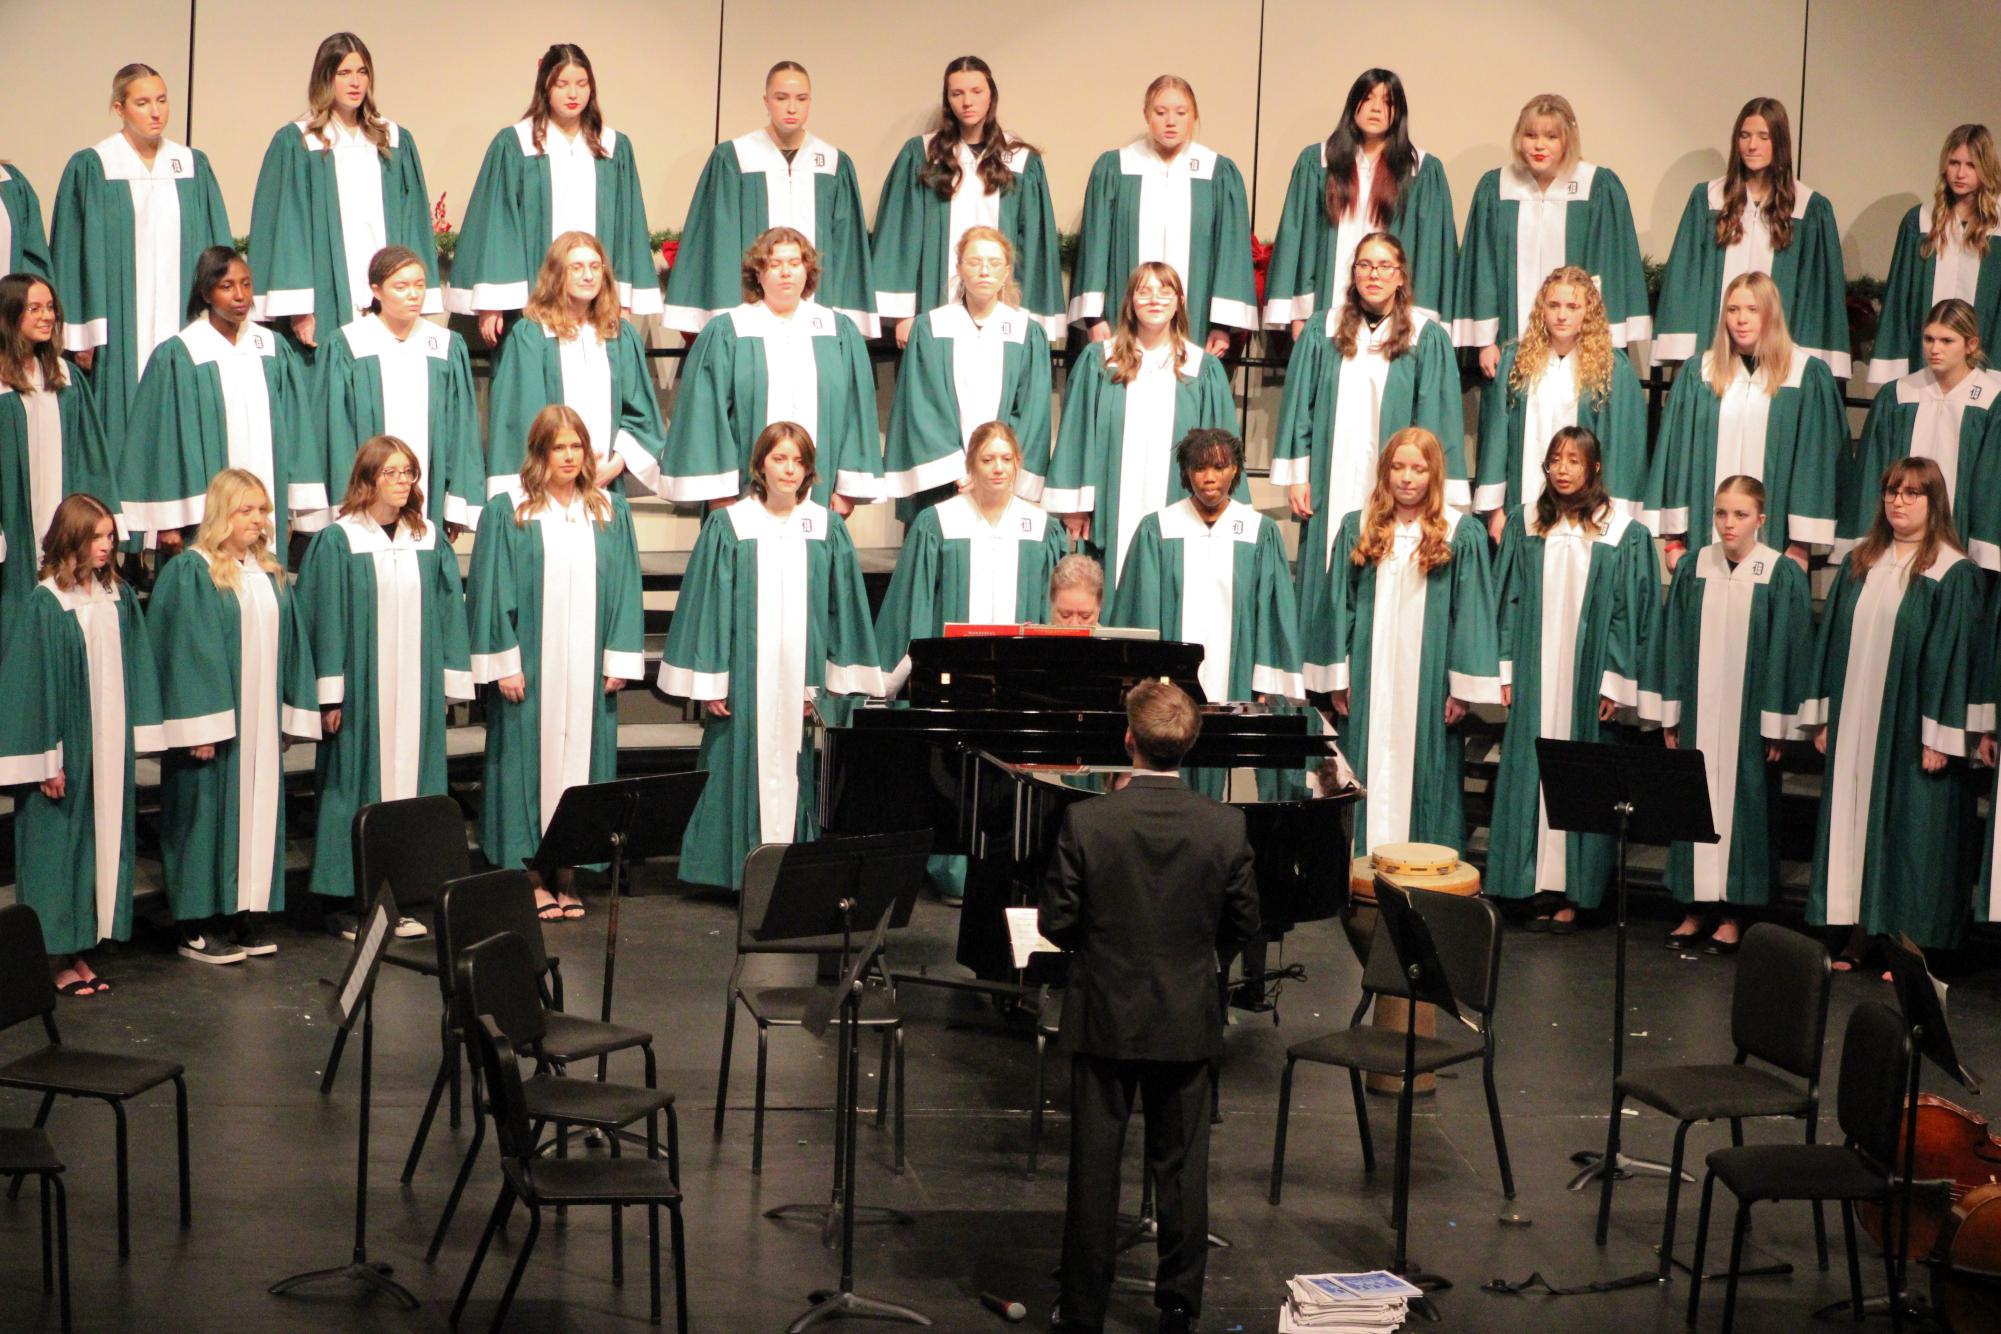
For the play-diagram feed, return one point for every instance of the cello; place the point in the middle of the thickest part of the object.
(1955, 1224)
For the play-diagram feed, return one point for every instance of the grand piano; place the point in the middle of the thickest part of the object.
(1002, 732)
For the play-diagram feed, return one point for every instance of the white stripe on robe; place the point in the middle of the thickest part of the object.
(157, 308)
(1166, 189)
(260, 774)
(246, 397)
(45, 462)
(399, 653)
(1541, 228)
(570, 679)
(96, 610)
(1396, 657)
(1358, 415)
(1935, 432)
(783, 607)
(1851, 779)
(789, 187)
(1566, 570)
(1146, 446)
(1209, 583)
(357, 167)
(972, 206)
(1727, 597)
(573, 183)
(1548, 407)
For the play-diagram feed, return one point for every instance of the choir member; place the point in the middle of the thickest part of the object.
(83, 698)
(335, 188)
(1756, 218)
(557, 631)
(776, 176)
(51, 442)
(1579, 591)
(1367, 177)
(1547, 209)
(1945, 413)
(588, 182)
(773, 617)
(967, 173)
(1409, 606)
(1210, 570)
(393, 372)
(225, 392)
(1564, 371)
(1888, 699)
(1168, 199)
(1727, 674)
(1129, 400)
(385, 617)
(779, 356)
(980, 359)
(236, 680)
(1076, 591)
(1941, 252)
(24, 244)
(1756, 405)
(131, 217)
(571, 346)
(1371, 366)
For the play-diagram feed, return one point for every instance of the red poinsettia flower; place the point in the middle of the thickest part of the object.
(439, 226)
(1260, 263)
(669, 249)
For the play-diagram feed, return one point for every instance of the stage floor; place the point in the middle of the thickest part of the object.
(273, 1161)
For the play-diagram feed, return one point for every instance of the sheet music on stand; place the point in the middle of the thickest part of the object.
(344, 1006)
(1024, 935)
(1922, 997)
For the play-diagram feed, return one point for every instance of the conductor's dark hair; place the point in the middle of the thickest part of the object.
(1393, 169)
(211, 267)
(1164, 723)
(1208, 445)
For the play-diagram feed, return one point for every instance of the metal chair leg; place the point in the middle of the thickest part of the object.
(501, 1207)
(723, 1070)
(520, 1265)
(1362, 1120)
(617, 1227)
(1736, 1263)
(1035, 1103)
(459, 1184)
(181, 1133)
(48, 1235)
(1701, 1247)
(757, 1112)
(1611, 1156)
(1673, 1199)
(680, 1242)
(882, 1079)
(124, 1182)
(653, 1262)
(41, 1119)
(1500, 1134)
(1854, 1261)
(897, 1046)
(1278, 1138)
(451, 1061)
(1819, 1212)
(438, 1082)
(62, 1246)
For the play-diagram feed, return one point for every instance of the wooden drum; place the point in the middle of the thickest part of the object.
(1430, 866)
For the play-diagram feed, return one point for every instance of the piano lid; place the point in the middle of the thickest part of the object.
(1045, 671)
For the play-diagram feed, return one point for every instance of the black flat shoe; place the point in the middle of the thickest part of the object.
(1683, 941)
(1537, 924)
(1559, 927)
(1721, 947)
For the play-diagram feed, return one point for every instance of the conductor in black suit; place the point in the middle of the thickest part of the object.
(1147, 884)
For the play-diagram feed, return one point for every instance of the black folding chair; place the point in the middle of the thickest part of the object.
(1875, 1063)
(1778, 1014)
(536, 1181)
(31, 1153)
(54, 1070)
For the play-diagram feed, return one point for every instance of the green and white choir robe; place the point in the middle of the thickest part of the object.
(914, 252)
(747, 188)
(1516, 428)
(124, 241)
(23, 241)
(368, 382)
(1517, 232)
(1983, 717)
(51, 444)
(1423, 637)
(1577, 611)
(1892, 674)
(235, 673)
(206, 404)
(1310, 258)
(1188, 213)
(1959, 431)
(1225, 586)
(1917, 283)
(1813, 287)
(554, 600)
(1115, 453)
(1794, 441)
(751, 367)
(1337, 411)
(84, 699)
(525, 197)
(326, 202)
(772, 613)
(1729, 670)
(606, 383)
(387, 624)
(956, 377)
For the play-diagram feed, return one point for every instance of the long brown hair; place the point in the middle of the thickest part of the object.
(66, 546)
(1590, 506)
(941, 157)
(375, 452)
(1775, 340)
(1122, 362)
(1376, 537)
(554, 61)
(1985, 206)
(1594, 340)
(1778, 205)
(1402, 327)
(770, 438)
(17, 354)
(542, 432)
(1393, 168)
(549, 304)
(319, 90)
(226, 490)
(1939, 531)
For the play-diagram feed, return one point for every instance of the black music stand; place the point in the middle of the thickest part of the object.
(354, 997)
(824, 888)
(1410, 936)
(1647, 792)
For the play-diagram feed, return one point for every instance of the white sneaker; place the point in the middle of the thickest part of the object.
(409, 928)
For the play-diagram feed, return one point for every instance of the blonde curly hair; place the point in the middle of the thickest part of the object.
(1594, 341)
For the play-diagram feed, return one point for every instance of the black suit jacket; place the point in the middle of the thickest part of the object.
(1145, 886)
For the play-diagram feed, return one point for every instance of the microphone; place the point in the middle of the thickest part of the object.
(1002, 1307)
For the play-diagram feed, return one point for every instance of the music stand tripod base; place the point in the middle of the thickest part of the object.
(372, 1274)
(1626, 1167)
(834, 1304)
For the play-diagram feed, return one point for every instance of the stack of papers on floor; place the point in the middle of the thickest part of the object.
(1371, 1303)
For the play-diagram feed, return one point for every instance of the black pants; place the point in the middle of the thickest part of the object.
(1175, 1098)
